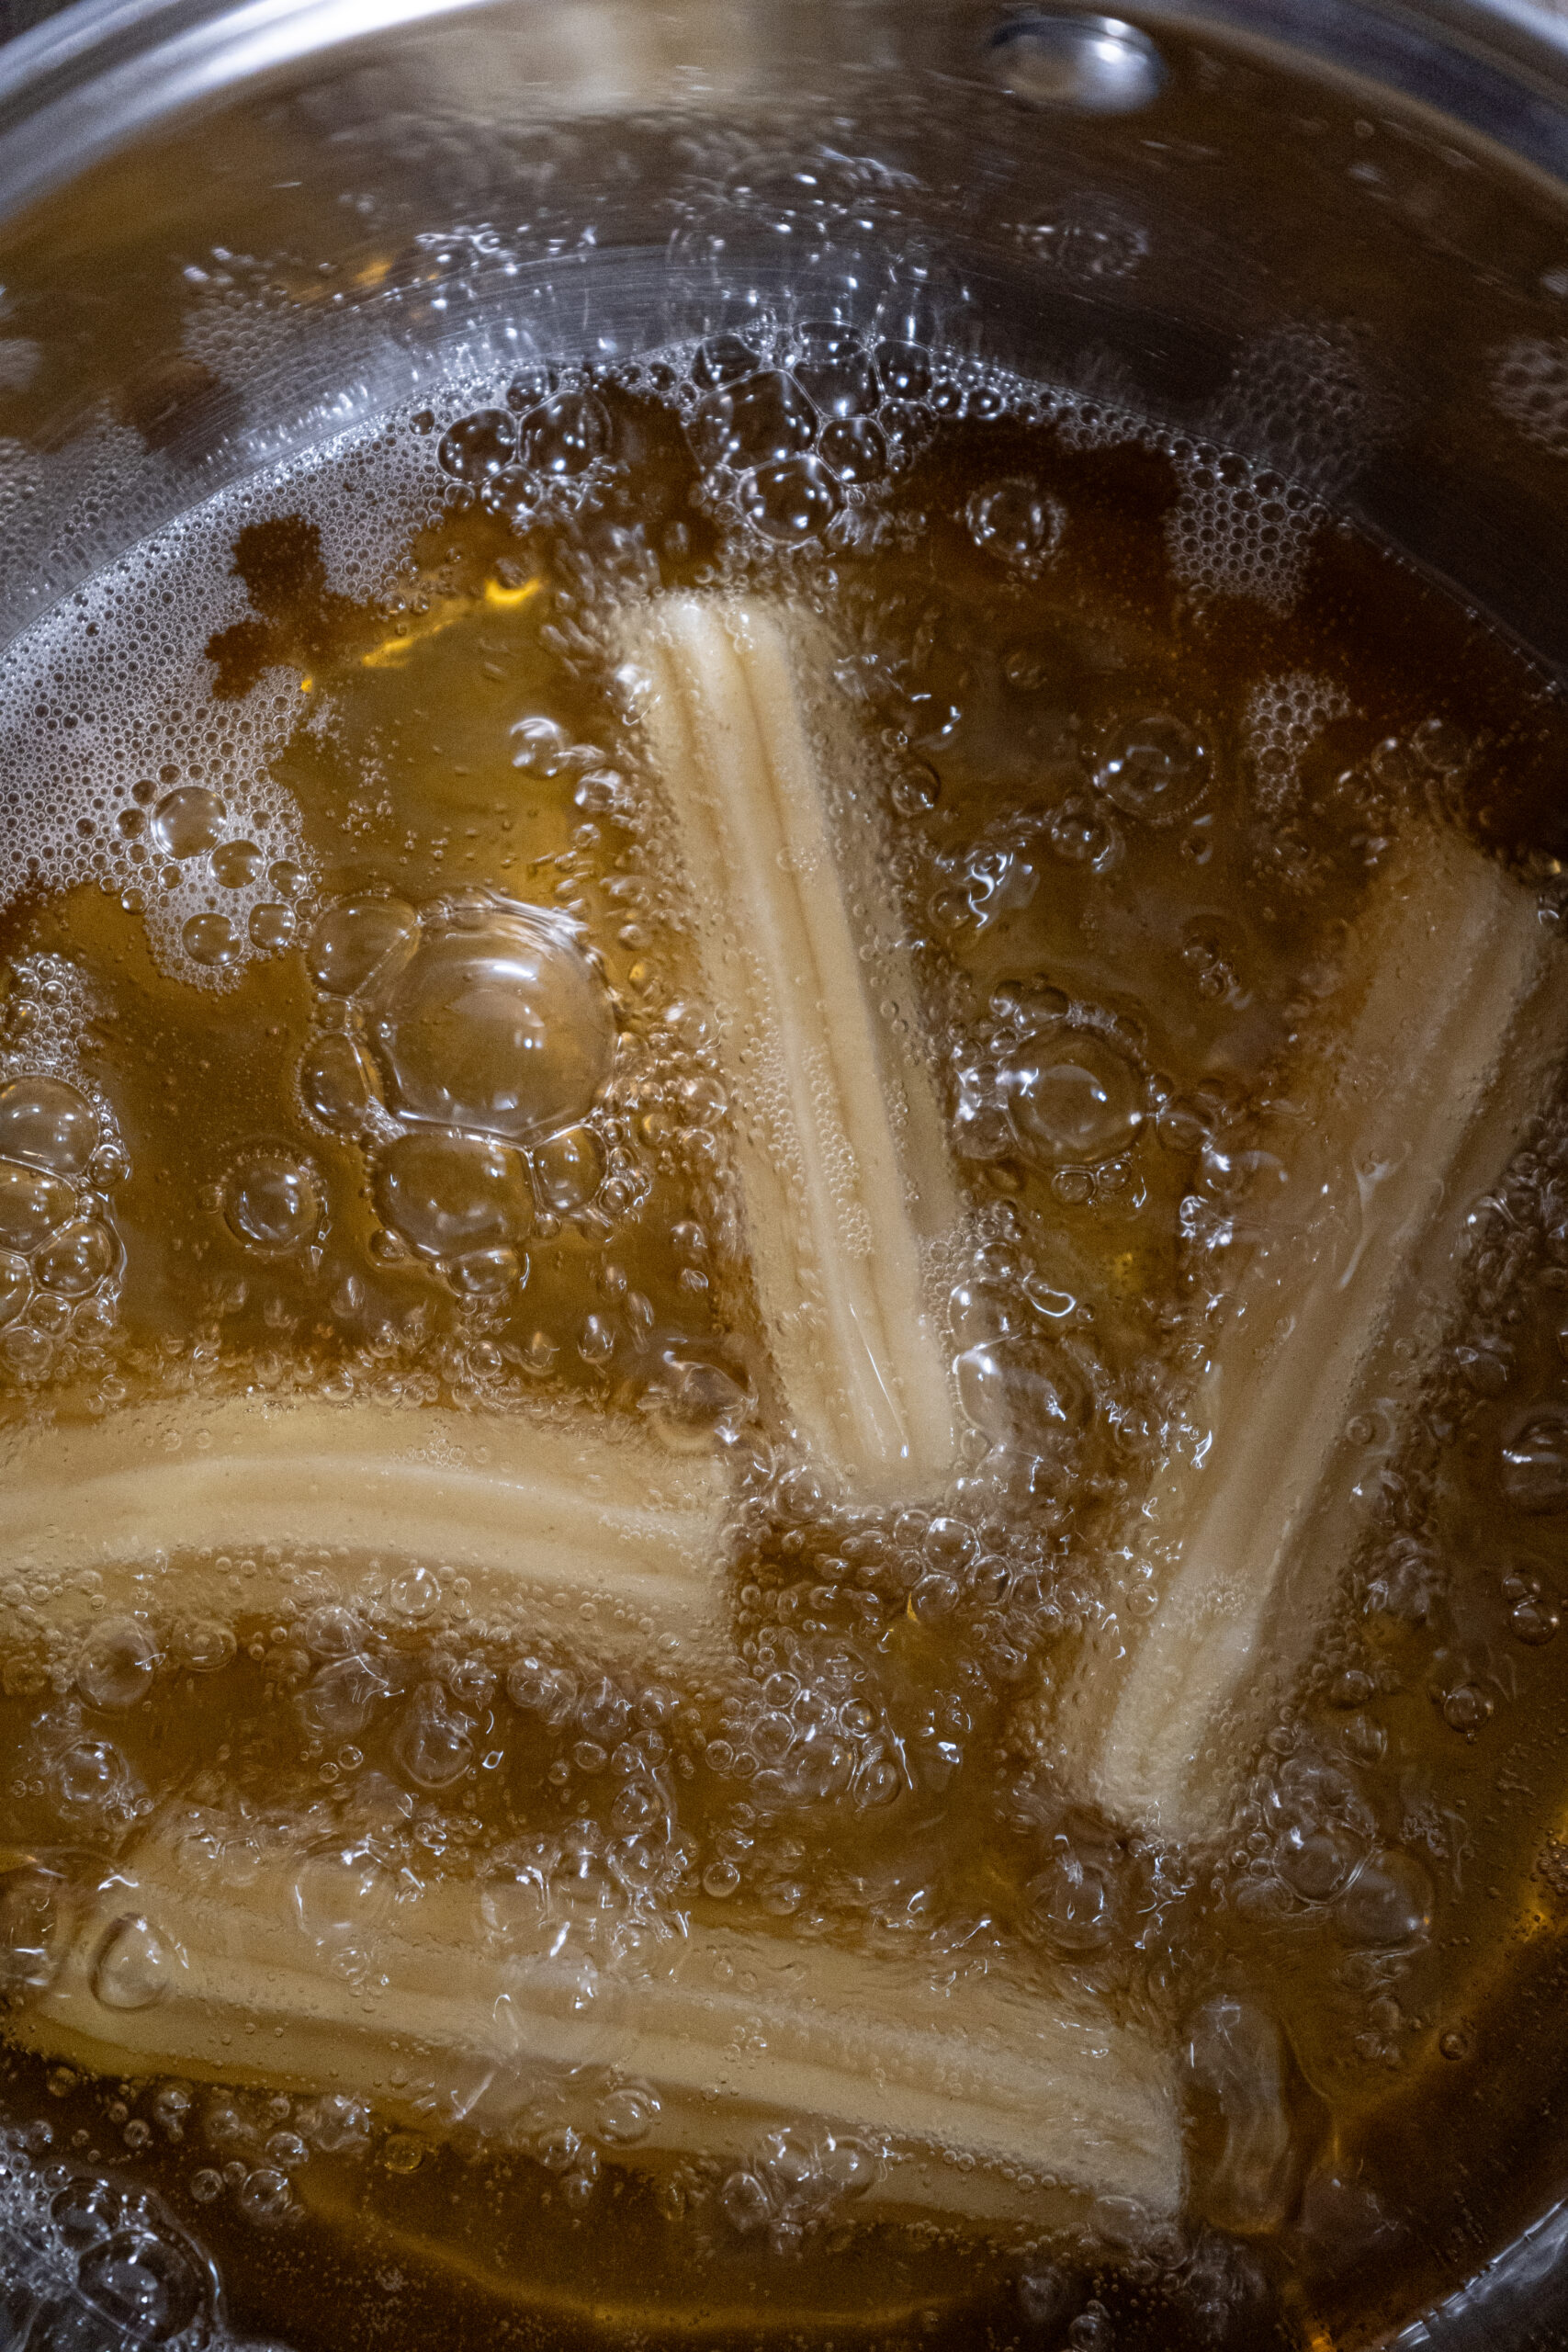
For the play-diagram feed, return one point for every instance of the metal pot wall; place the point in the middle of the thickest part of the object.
(1330, 233)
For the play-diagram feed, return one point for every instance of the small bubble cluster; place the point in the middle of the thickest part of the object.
(1282, 719)
(61, 1159)
(1060, 1085)
(1529, 388)
(124, 772)
(1301, 403)
(799, 2181)
(793, 429)
(88, 2260)
(541, 454)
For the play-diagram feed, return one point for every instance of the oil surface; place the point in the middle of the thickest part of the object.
(1140, 720)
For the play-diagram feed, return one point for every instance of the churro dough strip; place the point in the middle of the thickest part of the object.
(844, 1171)
(193, 1511)
(474, 2014)
(1450, 1013)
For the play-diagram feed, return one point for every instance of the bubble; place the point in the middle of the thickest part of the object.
(1072, 1903)
(271, 1202)
(86, 2212)
(46, 1124)
(31, 1205)
(31, 1945)
(413, 1595)
(450, 1195)
(479, 445)
(1315, 1864)
(746, 2203)
(134, 1965)
(568, 1169)
(831, 367)
(1018, 522)
(687, 1397)
(210, 940)
(1154, 767)
(332, 1630)
(1078, 832)
(794, 500)
(1008, 1396)
(188, 821)
(342, 1897)
(540, 1689)
(433, 1742)
(207, 1648)
(626, 2115)
(15, 1285)
(485, 1273)
(498, 1024)
(93, 1776)
(1466, 1708)
(337, 1081)
(905, 370)
(542, 746)
(760, 422)
(116, 1664)
(270, 927)
(353, 940)
(934, 1597)
(1533, 1622)
(916, 788)
(264, 2195)
(235, 863)
(723, 359)
(27, 1355)
(336, 2123)
(343, 1696)
(567, 435)
(1072, 1097)
(1534, 1463)
(855, 449)
(146, 2286)
(81, 1255)
(1442, 748)
(402, 2152)
(1388, 1903)
(720, 1879)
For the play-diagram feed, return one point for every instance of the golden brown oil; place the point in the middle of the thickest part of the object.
(1144, 721)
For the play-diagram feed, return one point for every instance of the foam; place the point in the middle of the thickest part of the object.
(1300, 402)
(802, 427)
(1529, 387)
(1283, 717)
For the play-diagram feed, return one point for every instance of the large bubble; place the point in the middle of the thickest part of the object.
(271, 1201)
(355, 938)
(1072, 1097)
(450, 1195)
(497, 1025)
(31, 1205)
(46, 1124)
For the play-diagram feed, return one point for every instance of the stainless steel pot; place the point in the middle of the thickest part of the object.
(1332, 232)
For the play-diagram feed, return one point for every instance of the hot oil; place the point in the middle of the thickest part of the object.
(1140, 720)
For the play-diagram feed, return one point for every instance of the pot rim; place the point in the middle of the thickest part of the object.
(98, 74)
(88, 80)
